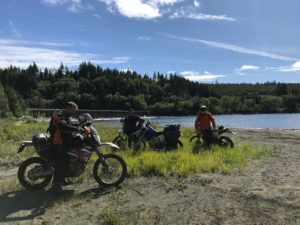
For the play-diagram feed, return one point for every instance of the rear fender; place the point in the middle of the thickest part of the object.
(24, 144)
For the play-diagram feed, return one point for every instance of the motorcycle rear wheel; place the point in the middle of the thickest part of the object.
(29, 182)
(110, 171)
(138, 146)
(195, 138)
(179, 144)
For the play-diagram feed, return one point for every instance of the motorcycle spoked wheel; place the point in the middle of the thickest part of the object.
(109, 171)
(26, 177)
(121, 142)
(225, 142)
(197, 141)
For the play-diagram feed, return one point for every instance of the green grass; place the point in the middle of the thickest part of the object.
(9, 186)
(181, 162)
(110, 218)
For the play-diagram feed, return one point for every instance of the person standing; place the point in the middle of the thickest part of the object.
(60, 129)
(204, 123)
(132, 123)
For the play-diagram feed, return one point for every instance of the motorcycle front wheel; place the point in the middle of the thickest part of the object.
(225, 142)
(110, 170)
(28, 173)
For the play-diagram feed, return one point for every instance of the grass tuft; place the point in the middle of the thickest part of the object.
(9, 186)
(110, 218)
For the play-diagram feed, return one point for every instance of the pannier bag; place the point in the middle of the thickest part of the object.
(43, 147)
(172, 134)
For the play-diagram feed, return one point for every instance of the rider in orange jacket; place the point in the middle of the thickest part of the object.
(204, 123)
(61, 128)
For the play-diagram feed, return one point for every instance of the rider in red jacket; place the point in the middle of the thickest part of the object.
(204, 123)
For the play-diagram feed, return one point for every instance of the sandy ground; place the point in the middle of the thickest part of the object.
(266, 192)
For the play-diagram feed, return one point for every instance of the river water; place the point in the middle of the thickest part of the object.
(272, 121)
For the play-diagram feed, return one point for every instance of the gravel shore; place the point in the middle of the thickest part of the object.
(266, 192)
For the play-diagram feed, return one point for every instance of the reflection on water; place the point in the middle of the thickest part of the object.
(276, 121)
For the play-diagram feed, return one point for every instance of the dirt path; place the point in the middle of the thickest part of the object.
(267, 192)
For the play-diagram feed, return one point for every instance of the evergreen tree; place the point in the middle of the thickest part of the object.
(3, 102)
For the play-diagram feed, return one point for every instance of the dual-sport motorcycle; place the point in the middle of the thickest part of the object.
(121, 139)
(217, 138)
(158, 140)
(37, 172)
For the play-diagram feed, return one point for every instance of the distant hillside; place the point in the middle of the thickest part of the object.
(93, 87)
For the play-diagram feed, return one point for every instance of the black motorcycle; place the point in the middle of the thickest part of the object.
(122, 139)
(217, 138)
(158, 140)
(37, 172)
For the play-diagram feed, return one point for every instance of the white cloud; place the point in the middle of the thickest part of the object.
(196, 76)
(171, 72)
(128, 69)
(144, 38)
(78, 7)
(164, 2)
(196, 3)
(14, 30)
(248, 67)
(44, 57)
(74, 6)
(293, 68)
(54, 2)
(135, 8)
(234, 48)
(192, 12)
(21, 42)
(199, 16)
(97, 16)
(151, 9)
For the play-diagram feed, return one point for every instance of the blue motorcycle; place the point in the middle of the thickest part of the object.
(158, 140)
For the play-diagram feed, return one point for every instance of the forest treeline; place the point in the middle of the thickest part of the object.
(93, 87)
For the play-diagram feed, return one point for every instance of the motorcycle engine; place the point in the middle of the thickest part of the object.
(75, 167)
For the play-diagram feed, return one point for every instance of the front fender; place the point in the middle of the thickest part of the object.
(109, 144)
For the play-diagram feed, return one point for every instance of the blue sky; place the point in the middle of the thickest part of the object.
(202, 40)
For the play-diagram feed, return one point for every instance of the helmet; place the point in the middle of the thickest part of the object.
(85, 118)
(203, 108)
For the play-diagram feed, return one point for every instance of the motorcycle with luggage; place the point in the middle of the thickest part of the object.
(167, 139)
(37, 172)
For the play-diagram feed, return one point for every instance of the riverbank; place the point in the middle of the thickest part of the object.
(266, 191)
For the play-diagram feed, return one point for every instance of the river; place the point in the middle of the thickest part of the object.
(254, 121)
